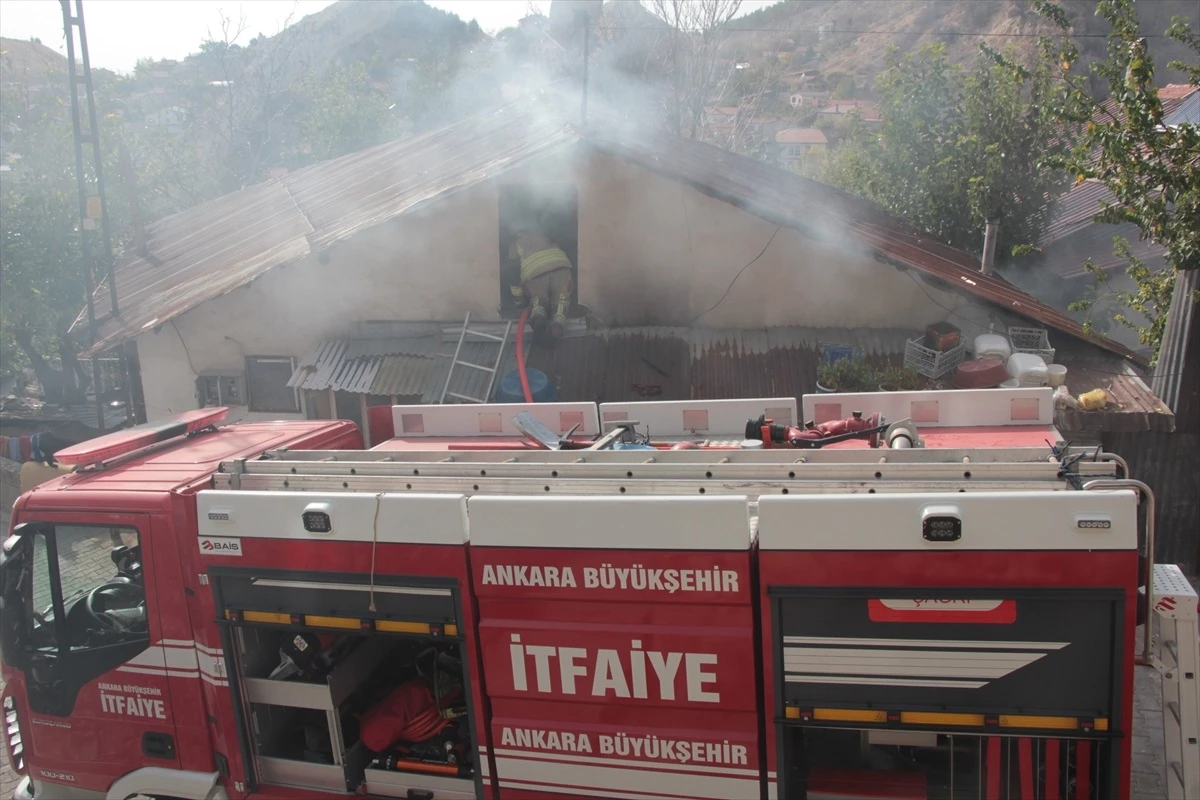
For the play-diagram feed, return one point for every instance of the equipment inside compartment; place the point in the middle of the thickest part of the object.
(401, 703)
(419, 724)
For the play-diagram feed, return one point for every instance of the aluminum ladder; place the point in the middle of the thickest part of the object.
(1177, 657)
(456, 361)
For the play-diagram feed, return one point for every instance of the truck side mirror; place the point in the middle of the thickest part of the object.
(14, 638)
(14, 569)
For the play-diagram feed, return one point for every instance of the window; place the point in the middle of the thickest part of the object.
(267, 378)
(98, 572)
(220, 390)
(554, 209)
(74, 608)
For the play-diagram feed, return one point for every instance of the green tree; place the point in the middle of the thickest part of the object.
(1150, 169)
(1150, 297)
(42, 285)
(955, 150)
(345, 113)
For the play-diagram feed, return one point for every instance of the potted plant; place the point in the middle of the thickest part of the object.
(899, 379)
(851, 374)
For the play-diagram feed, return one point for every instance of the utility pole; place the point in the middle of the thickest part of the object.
(92, 211)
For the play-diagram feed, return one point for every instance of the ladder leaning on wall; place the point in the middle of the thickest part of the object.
(456, 362)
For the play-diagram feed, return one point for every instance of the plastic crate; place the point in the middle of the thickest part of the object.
(932, 363)
(1032, 340)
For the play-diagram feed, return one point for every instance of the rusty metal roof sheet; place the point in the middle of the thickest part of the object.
(213, 248)
(1132, 406)
(826, 213)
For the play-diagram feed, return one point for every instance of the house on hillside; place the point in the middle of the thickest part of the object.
(1072, 237)
(795, 145)
(837, 109)
(808, 99)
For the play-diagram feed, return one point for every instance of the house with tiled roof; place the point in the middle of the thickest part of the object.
(794, 146)
(1073, 237)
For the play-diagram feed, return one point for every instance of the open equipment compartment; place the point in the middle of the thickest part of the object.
(349, 703)
(297, 715)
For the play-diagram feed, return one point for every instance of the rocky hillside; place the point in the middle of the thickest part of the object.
(851, 36)
(22, 60)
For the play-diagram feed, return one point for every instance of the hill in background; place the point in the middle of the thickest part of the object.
(851, 37)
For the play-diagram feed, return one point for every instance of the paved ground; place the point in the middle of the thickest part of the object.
(1149, 767)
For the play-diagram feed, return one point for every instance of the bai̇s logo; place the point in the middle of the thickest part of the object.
(220, 546)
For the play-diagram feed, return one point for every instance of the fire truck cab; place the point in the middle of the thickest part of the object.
(914, 595)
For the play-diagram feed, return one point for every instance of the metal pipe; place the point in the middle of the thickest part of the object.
(1116, 459)
(1147, 493)
(988, 263)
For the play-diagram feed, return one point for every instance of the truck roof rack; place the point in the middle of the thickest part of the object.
(514, 469)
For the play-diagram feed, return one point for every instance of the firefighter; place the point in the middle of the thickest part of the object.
(545, 278)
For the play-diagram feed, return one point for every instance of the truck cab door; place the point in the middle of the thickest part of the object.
(81, 626)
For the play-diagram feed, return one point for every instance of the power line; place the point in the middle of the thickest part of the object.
(729, 288)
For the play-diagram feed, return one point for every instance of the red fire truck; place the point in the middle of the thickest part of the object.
(933, 598)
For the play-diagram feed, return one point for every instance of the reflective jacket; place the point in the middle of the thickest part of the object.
(538, 256)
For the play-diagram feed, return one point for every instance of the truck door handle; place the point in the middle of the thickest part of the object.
(419, 794)
(158, 745)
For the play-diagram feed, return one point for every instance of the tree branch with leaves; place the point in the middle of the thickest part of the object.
(1150, 169)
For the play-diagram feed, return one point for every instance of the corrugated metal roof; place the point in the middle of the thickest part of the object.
(406, 376)
(1074, 209)
(826, 213)
(668, 363)
(620, 364)
(218, 246)
(215, 247)
(315, 370)
(1175, 378)
(1132, 405)
(471, 382)
(425, 347)
(412, 367)
(682, 364)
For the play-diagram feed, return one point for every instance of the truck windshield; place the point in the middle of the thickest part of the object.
(99, 572)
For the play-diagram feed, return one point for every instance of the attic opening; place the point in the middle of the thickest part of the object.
(548, 209)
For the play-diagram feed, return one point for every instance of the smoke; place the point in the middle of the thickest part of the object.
(672, 253)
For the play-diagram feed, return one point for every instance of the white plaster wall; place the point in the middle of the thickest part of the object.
(655, 252)
(651, 252)
(434, 265)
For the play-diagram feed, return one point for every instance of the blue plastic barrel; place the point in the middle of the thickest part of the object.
(540, 387)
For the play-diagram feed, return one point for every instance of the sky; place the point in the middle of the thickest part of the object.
(120, 32)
